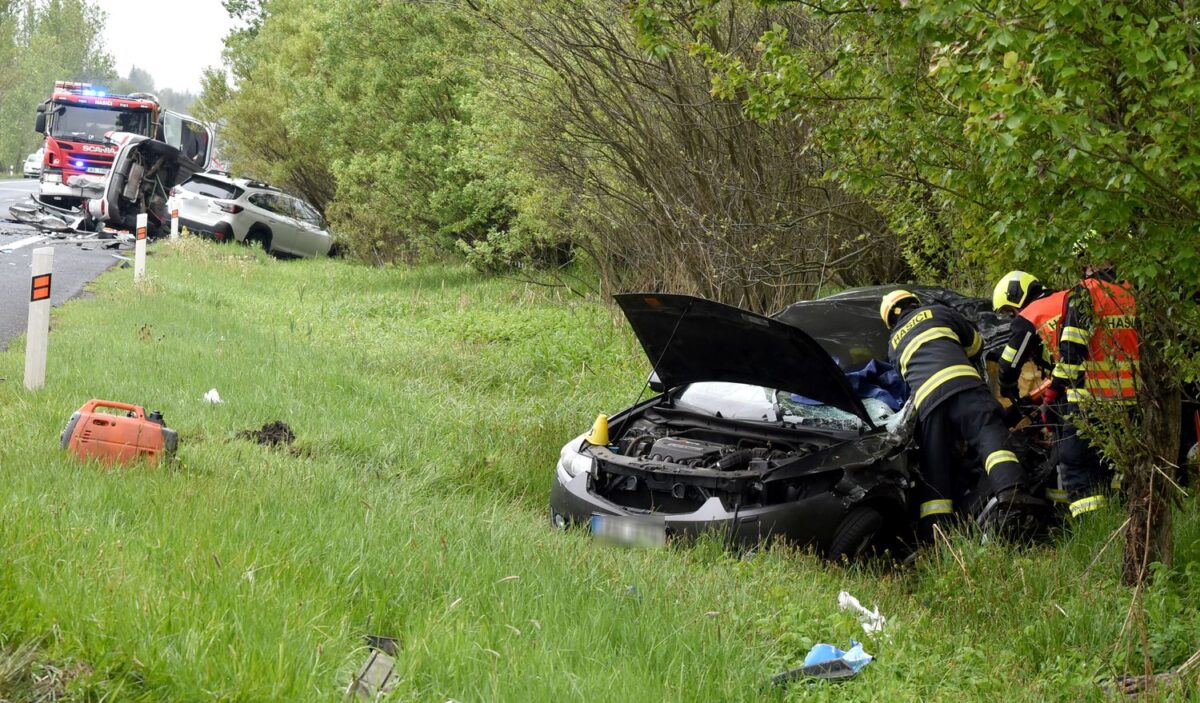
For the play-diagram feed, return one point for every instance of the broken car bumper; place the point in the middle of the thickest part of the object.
(809, 521)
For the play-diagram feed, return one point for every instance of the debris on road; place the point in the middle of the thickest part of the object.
(825, 661)
(212, 396)
(46, 217)
(271, 434)
(871, 620)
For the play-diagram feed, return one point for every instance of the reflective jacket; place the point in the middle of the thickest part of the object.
(1098, 342)
(932, 346)
(1034, 338)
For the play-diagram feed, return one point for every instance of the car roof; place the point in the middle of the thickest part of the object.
(847, 324)
(258, 185)
(243, 183)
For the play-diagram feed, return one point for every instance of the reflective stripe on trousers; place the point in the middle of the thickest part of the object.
(1087, 505)
(1057, 495)
(999, 457)
(940, 506)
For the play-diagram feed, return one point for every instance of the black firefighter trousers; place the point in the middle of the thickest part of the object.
(972, 416)
(1086, 476)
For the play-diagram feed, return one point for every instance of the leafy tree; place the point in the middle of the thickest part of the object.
(41, 42)
(674, 187)
(139, 80)
(365, 110)
(1032, 122)
(255, 112)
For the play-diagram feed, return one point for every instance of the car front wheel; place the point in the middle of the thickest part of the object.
(857, 533)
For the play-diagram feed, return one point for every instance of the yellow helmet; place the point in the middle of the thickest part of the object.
(1015, 289)
(889, 308)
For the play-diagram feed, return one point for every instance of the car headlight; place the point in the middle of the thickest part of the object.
(571, 462)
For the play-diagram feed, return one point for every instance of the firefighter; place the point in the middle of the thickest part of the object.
(1037, 314)
(1034, 329)
(932, 347)
(1098, 363)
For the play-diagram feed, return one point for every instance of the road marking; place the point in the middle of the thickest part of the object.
(23, 242)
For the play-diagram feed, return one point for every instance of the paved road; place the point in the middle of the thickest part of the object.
(74, 264)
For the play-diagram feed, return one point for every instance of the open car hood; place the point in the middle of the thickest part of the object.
(690, 339)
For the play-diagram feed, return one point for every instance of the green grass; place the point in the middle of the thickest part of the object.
(429, 407)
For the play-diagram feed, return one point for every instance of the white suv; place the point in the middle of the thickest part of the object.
(217, 205)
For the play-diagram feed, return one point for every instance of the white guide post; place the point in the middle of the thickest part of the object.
(139, 250)
(175, 222)
(37, 333)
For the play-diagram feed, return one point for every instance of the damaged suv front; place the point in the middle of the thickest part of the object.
(757, 435)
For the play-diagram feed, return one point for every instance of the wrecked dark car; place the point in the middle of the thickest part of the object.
(140, 179)
(758, 432)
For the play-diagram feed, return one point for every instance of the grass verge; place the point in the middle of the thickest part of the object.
(429, 407)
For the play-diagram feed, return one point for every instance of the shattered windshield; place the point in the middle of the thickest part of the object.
(739, 401)
(89, 124)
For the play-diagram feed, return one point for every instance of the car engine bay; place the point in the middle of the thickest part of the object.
(673, 461)
(666, 445)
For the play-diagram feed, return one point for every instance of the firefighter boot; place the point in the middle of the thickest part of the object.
(930, 527)
(1015, 516)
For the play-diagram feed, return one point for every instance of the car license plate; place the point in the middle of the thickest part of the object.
(630, 531)
(97, 169)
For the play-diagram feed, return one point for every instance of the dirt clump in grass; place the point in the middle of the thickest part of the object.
(271, 434)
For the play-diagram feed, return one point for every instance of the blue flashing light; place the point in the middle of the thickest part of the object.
(78, 164)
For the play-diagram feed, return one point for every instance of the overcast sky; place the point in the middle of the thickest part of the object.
(175, 56)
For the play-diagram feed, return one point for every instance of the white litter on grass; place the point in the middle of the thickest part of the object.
(212, 396)
(871, 620)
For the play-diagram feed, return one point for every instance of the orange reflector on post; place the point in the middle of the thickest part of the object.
(141, 232)
(40, 289)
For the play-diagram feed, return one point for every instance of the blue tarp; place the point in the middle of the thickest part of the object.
(876, 380)
(880, 381)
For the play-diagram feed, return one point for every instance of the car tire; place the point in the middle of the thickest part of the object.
(262, 235)
(856, 534)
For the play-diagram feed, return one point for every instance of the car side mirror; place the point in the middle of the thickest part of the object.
(655, 383)
(39, 122)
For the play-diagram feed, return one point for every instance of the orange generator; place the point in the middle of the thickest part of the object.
(118, 438)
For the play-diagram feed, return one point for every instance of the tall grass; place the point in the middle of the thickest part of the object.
(429, 407)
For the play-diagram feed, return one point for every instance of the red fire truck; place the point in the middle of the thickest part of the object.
(75, 120)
